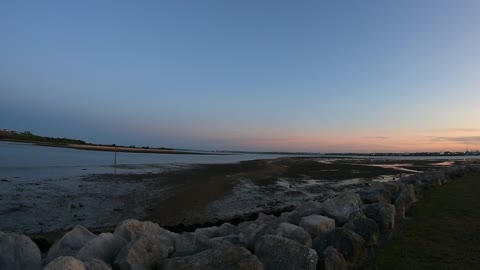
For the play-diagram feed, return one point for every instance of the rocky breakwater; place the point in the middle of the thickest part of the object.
(334, 234)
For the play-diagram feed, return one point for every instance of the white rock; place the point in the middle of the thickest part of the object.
(105, 247)
(19, 252)
(316, 224)
(70, 243)
(65, 263)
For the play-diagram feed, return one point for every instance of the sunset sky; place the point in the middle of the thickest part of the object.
(318, 76)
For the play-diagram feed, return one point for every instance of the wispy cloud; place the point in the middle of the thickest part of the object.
(456, 130)
(461, 139)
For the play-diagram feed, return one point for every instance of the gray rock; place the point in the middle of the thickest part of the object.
(189, 243)
(105, 247)
(209, 232)
(132, 229)
(316, 224)
(348, 243)
(366, 228)
(144, 253)
(284, 229)
(303, 210)
(383, 214)
(219, 257)
(248, 230)
(96, 264)
(263, 218)
(276, 253)
(295, 233)
(70, 243)
(391, 187)
(331, 259)
(375, 195)
(65, 263)
(232, 239)
(403, 203)
(18, 252)
(227, 229)
(343, 207)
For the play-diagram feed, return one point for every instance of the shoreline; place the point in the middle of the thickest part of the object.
(189, 198)
(109, 148)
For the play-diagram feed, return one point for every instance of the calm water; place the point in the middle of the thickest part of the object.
(27, 161)
(21, 160)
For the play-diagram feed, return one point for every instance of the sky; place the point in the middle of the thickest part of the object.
(316, 76)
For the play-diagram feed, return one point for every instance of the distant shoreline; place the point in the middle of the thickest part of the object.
(110, 148)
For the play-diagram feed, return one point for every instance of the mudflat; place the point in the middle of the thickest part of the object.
(187, 196)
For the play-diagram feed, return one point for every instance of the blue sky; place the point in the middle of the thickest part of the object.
(246, 75)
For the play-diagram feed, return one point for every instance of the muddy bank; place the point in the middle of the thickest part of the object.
(185, 196)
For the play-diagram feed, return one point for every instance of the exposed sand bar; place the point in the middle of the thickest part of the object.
(136, 150)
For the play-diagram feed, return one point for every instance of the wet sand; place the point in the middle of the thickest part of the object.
(187, 196)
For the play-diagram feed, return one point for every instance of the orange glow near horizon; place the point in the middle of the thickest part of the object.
(431, 141)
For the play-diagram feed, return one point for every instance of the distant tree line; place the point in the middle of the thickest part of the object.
(30, 137)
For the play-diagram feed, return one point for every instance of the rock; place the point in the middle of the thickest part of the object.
(284, 229)
(391, 187)
(315, 224)
(248, 231)
(18, 252)
(348, 243)
(343, 207)
(383, 214)
(276, 252)
(144, 253)
(331, 259)
(402, 203)
(227, 229)
(209, 232)
(131, 230)
(366, 228)
(105, 247)
(232, 239)
(295, 233)
(219, 257)
(70, 243)
(375, 195)
(262, 218)
(189, 243)
(303, 210)
(65, 263)
(96, 264)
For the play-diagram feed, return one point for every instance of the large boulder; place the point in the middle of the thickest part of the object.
(65, 263)
(96, 264)
(105, 247)
(276, 252)
(375, 195)
(316, 224)
(343, 207)
(144, 253)
(383, 214)
(303, 210)
(70, 243)
(209, 232)
(190, 243)
(331, 259)
(366, 228)
(232, 239)
(18, 252)
(295, 233)
(131, 230)
(284, 229)
(218, 257)
(350, 244)
(404, 200)
(227, 229)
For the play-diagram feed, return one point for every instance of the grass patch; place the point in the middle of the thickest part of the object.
(444, 232)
